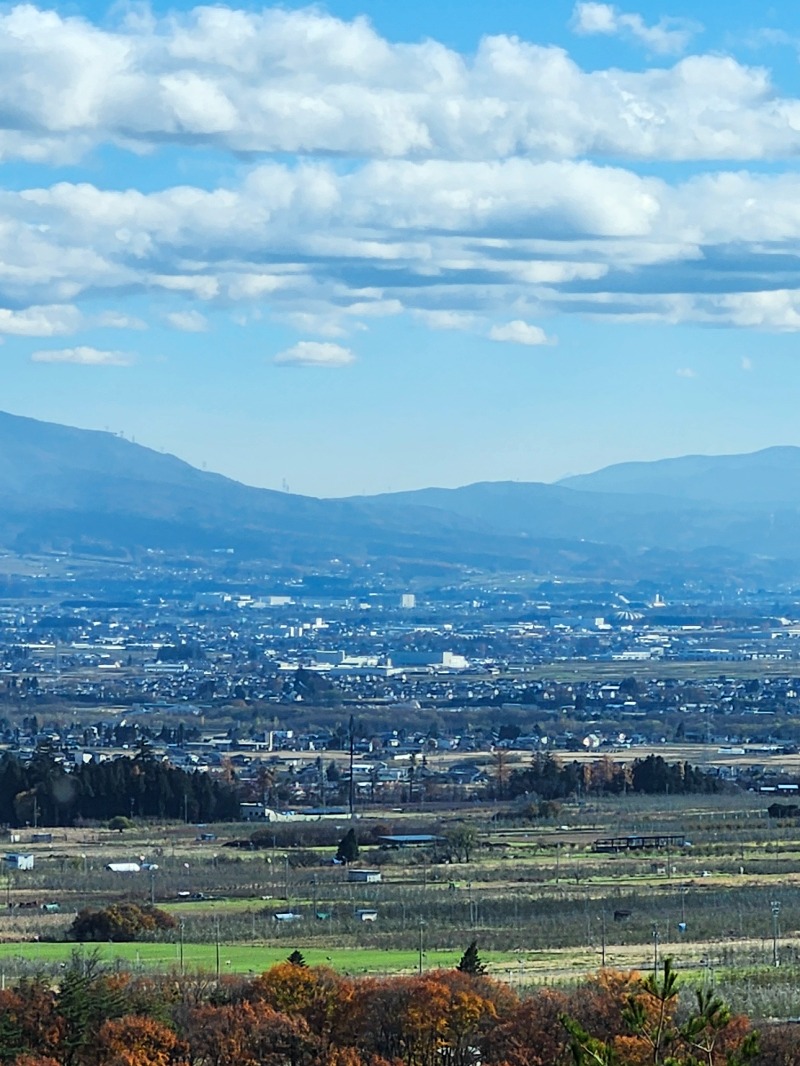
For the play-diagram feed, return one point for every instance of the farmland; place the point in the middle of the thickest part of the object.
(541, 904)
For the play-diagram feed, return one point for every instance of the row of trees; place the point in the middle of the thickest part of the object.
(43, 792)
(548, 779)
(293, 1015)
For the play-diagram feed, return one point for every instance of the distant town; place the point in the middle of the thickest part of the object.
(288, 685)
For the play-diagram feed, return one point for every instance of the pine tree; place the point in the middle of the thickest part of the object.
(296, 958)
(347, 851)
(471, 961)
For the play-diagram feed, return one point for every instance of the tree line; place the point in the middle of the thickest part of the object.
(295, 1015)
(549, 779)
(43, 792)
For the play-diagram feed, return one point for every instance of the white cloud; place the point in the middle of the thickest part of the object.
(304, 82)
(460, 320)
(47, 321)
(665, 36)
(686, 372)
(458, 244)
(746, 363)
(187, 321)
(315, 353)
(475, 190)
(455, 243)
(118, 320)
(777, 310)
(82, 356)
(519, 332)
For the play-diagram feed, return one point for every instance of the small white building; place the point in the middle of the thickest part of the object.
(365, 877)
(16, 861)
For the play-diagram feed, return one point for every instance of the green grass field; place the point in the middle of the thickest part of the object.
(234, 958)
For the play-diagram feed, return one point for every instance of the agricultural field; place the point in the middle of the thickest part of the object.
(542, 905)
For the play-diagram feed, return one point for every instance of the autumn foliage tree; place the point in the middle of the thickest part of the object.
(652, 1034)
(30, 1023)
(295, 1015)
(120, 922)
(138, 1041)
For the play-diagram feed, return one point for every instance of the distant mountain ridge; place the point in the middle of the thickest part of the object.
(770, 477)
(86, 491)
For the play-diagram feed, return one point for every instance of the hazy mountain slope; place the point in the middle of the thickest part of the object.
(67, 489)
(76, 490)
(766, 478)
(635, 522)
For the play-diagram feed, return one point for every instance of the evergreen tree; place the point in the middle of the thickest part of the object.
(296, 958)
(348, 851)
(471, 961)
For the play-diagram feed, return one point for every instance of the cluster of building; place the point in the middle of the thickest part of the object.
(216, 673)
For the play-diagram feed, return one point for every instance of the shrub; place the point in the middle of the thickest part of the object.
(120, 922)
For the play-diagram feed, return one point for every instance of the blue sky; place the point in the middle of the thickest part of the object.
(360, 247)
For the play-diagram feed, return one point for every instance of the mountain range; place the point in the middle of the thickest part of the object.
(89, 492)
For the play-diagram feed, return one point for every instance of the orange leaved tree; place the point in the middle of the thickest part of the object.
(653, 1036)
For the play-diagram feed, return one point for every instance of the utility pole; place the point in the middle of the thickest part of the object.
(421, 943)
(655, 951)
(775, 908)
(321, 769)
(603, 940)
(216, 944)
(181, 945)
(352, 757)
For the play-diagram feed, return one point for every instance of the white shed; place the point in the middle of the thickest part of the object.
(15, 861)
(368, 877)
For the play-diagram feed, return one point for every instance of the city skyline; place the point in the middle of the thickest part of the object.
(353, 248)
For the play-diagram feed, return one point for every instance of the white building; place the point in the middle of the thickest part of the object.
(16, 861)
(369, 877)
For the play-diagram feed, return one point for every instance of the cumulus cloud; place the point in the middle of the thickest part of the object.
(304, 82)
(443, 319)
(519, 332)
(315, 353)
(457, 244)
(187, 321)
(118, 320)
(46, 321)
(665, 36)
(82, 356)
(477, 194)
